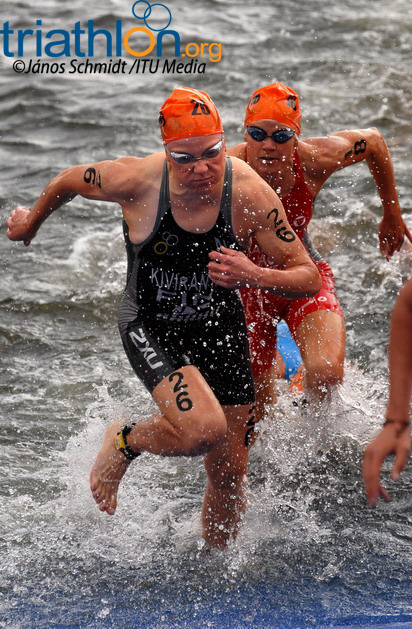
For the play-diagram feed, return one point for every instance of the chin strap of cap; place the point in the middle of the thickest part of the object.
(120, 441)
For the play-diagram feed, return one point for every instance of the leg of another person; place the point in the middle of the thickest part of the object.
(265, 384)
(321, 338)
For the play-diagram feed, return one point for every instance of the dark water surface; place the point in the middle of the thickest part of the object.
(310, 554)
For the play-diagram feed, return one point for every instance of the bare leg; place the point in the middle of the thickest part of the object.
(279, 367)
(226, 465)
(321, 338)
(265, 385)
(265, 390)
(185, 426)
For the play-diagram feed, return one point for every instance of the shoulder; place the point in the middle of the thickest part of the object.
(314, 152)
(332, 145)
(322, 156)
(247, 183)
(243, 172)
(137, 166)
(238, 151)
(131, 175)
(252, 199)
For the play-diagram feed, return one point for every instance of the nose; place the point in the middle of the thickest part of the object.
(269, 144)
(200, 167)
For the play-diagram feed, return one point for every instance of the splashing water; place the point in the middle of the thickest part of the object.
(306, 530)
(310, 554)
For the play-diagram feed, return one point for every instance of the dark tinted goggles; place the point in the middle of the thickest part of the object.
(280, 136)
(188, 158)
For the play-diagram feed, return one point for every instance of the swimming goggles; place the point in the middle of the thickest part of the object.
(280, 136)
(188, 158)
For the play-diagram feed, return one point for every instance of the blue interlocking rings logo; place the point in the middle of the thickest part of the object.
(148, 12)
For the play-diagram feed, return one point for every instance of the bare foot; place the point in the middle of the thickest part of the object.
(108, 470)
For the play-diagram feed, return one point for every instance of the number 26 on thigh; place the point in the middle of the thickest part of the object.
(183, 401)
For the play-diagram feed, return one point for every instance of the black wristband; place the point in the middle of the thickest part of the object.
(121, 444)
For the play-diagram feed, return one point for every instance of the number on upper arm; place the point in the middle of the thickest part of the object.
(281, 232)
(90, 176)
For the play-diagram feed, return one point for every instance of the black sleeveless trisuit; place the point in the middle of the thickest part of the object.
(172, 314)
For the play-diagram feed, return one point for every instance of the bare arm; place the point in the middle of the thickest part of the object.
(400, 356)
(265, 218)
(105, 181)
(394, 437)
(345, 148)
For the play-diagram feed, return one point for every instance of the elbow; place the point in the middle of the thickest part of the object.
(373, 134)
(62, 186)
(376, 142)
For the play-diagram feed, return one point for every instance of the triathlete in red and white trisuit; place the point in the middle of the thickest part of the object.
(297, 170)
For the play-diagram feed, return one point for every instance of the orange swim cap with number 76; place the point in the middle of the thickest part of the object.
(188, 113)
(275, 102)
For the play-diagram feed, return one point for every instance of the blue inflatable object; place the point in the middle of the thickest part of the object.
(288, 350)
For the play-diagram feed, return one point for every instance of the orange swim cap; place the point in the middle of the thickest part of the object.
(275, 102)
(188, 113)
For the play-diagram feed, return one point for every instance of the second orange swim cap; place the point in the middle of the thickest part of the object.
(188, 113)
(275, 102)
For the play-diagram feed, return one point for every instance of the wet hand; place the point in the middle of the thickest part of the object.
(18, 225)
(392, 232)
(394, 439)
(232, 269)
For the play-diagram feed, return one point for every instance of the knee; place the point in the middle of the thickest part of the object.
(326, 372)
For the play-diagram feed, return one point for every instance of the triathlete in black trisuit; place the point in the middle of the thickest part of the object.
(180, 318)
(172, 314)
